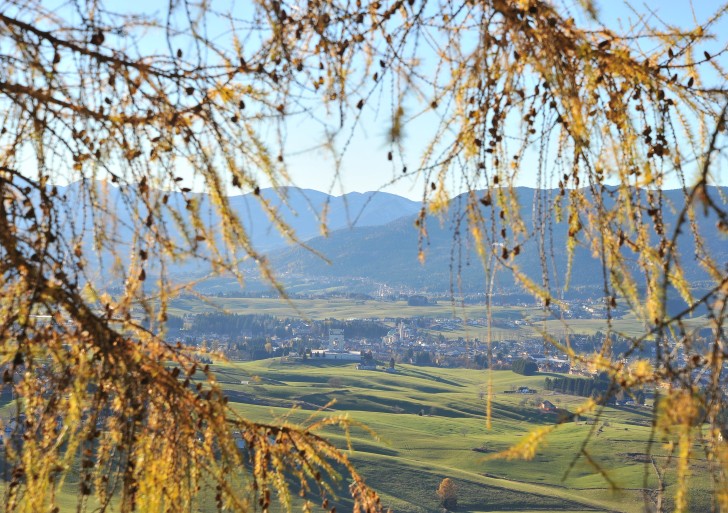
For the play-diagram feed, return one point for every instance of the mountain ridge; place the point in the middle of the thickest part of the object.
(372, 239)
(389, 253)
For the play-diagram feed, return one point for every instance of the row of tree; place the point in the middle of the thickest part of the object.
(600, 387)
(583, 387)
(263, 325)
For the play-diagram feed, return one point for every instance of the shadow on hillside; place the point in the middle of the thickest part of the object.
(424, 375)
(547, 375)
(415, 487)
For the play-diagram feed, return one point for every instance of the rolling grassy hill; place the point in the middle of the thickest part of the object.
(430, 424)
(424, 424)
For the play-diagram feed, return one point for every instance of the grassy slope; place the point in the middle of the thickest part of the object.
(440, 443)
(412, 453)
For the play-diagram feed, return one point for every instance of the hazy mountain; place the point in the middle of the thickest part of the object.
(303, 210)
(389, 253)
(373, 239)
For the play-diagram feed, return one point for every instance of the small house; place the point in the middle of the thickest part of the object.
(547, 406)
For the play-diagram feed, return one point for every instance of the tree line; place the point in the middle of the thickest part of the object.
(264, 325)
(599, 387)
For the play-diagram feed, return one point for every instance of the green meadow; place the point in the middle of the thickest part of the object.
(423, 424)
(343, 308)
(431, 423)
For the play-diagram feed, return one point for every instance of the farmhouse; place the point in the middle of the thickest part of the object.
(547, 406)
(521, 390)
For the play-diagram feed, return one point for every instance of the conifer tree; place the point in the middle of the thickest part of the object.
(89, 96)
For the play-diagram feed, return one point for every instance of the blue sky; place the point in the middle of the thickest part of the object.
(365, 165)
